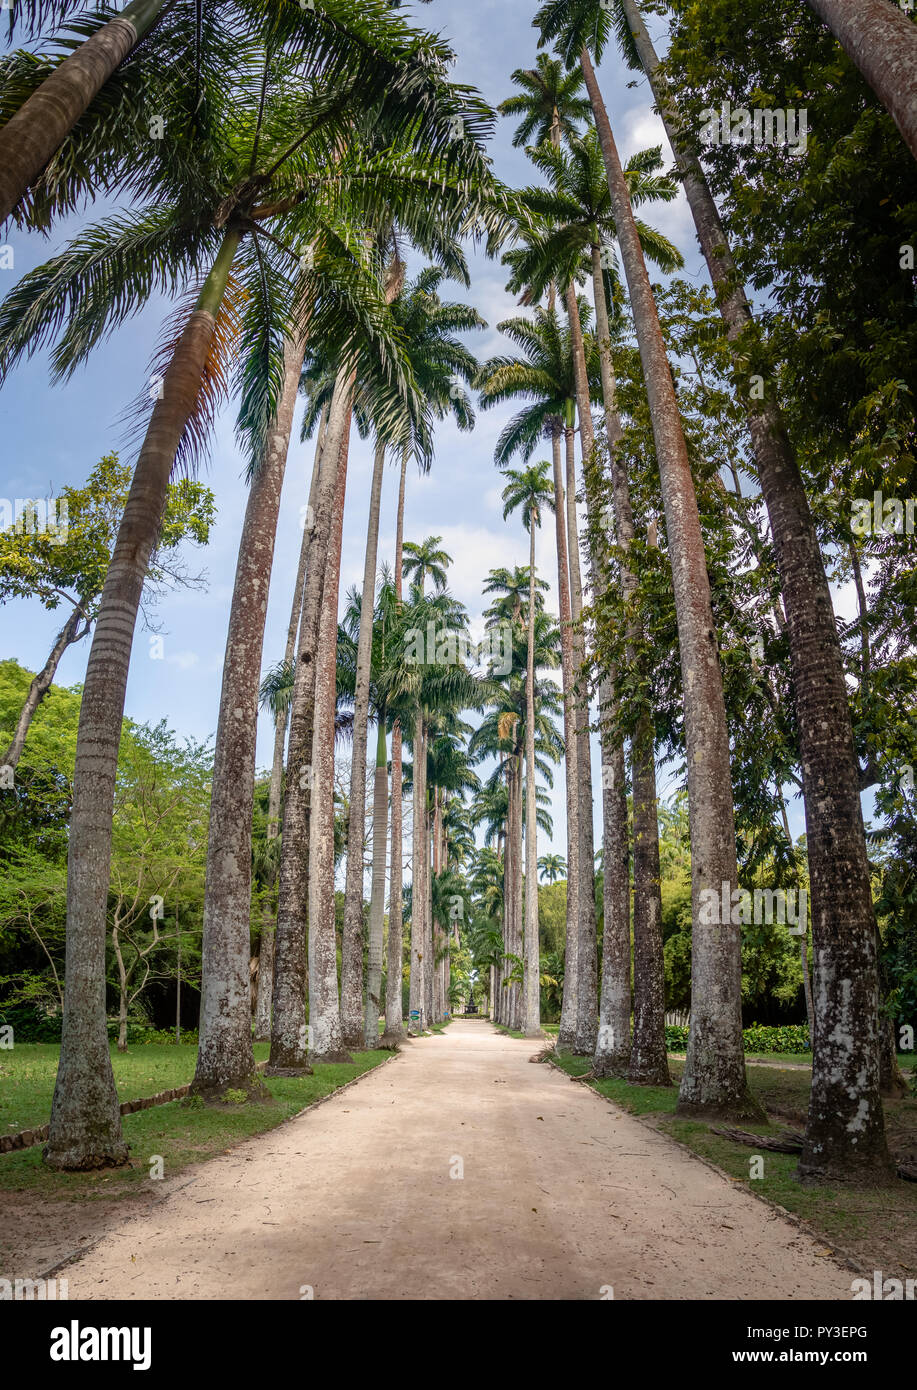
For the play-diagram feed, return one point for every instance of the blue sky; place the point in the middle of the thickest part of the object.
(52, 435)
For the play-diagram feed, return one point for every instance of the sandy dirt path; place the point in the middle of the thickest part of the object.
(562, 1197)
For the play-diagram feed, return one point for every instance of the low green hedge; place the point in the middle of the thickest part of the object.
(792, 1037)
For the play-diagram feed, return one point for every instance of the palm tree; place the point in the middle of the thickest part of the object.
(424, 561)
(124, 71)
(436, 360)
(714, 1077)
(882, 41)
(234, 765)
(420, 561)
(553, 108)
(829, 768)
(577, 211)
(85, 1127)
(574, 218)
(440, 363)
(383, 677)
(504, 734)
(458, 833)
(448, 770)
(531, 490)
(551, 105)
(552, 867)
(546, 376)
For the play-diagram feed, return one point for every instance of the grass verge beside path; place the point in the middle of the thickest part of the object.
(876, 1229)
(28, 1072)
(181, 1133)
(907, 1061)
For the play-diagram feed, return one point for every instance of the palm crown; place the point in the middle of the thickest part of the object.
(550, 102)
(574, 213)
(543, 375)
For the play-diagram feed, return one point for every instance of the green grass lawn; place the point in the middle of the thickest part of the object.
(878, 1227)
(551, 1029)
(906, 1060)
(181, 1133)
(28, 1070)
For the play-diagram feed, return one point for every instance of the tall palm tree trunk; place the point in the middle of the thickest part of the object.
(264, 1001)
(40, 126)
(225, 1057)
(505, 928)
(845, 1128)
(429, 955)
(444, 929)
(612, 1046)
(509, 854)
(352, 1006)
(85, 1128)
(532, 946)
(587, 1008)
(394, 1028)
(647, 1063)
(41, 684)
(418, 949)
(265, 992)
(377, 895)
(566, 1034)
(714, 1078)
(288, 1026)
(289, 655)
(451, 927)
(394, 960)
(882, 40)
(437, 929)
(613, 1043)
(518, 804)
(325, 1028)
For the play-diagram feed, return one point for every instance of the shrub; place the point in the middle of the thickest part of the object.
(167, 1035)
(792, 1037)
(758, 1038)
(30, 1024)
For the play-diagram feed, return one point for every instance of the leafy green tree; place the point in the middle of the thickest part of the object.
(65, 561)
(158, 854)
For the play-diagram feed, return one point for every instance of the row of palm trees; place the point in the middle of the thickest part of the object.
(560, 244)
(293, 151)
(301, 147)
